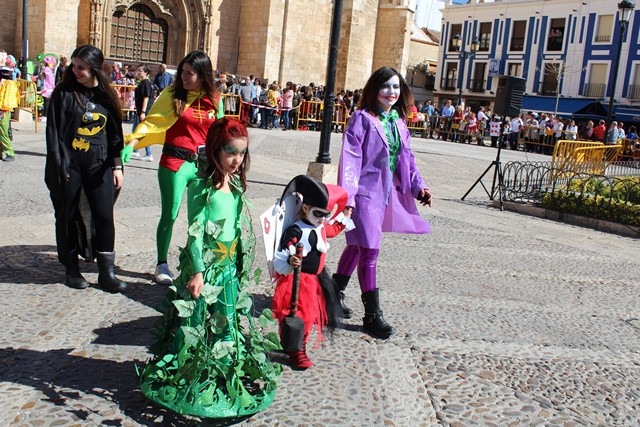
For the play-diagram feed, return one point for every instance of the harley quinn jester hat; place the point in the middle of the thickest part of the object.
(314, 193)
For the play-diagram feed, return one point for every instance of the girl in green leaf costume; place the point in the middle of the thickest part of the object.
(206, 363)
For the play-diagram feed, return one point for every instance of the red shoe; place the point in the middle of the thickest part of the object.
(299, 359)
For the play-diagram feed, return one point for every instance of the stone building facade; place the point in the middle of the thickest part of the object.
(275, 39)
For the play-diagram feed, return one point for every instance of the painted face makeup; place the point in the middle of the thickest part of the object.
(316, 216)
(389, 93)
(319, 213)
(232, 155)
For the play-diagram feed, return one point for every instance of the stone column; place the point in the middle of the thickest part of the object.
(208, 35)
(259, 34)
(393, 35)
(45, 30)
(222, 38)
(356, 51)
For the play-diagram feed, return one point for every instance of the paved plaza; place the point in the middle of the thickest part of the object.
(501, 319)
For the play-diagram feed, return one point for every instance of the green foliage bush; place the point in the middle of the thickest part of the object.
(599, 207)
(622, 188)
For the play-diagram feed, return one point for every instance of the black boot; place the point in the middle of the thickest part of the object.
(341, 281)
(106, 274)
(74, 278)
(373, 322)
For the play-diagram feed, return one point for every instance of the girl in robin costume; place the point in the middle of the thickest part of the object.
(210, 358)
(319, 217)
(179, 119)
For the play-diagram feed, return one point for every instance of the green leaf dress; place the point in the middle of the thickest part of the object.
(210, 356)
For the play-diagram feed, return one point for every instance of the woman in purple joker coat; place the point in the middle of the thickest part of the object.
(378, 171)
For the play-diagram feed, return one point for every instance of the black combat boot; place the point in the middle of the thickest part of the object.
(106, 273)
(341, 281)
(373, 322)
(74, 278)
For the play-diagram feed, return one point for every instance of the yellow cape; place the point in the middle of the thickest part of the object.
(161, 117)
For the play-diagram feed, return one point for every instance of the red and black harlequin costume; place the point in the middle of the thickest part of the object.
(317, 300)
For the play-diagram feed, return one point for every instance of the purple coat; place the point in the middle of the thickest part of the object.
(380, 204)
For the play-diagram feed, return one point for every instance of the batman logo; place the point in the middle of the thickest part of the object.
(99, 120)
(80, 144)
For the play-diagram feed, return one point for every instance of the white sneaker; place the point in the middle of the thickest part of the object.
(147, 159)
(163, 275)
(135, 155)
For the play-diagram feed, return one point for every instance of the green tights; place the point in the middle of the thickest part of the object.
(172, 186)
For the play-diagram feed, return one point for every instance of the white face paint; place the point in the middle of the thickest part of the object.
(389, 93)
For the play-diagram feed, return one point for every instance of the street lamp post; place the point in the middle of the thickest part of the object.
(457, 43)
(329, 96)
(25, 39)
(625, 7)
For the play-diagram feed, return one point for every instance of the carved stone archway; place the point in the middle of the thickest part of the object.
(186, 23)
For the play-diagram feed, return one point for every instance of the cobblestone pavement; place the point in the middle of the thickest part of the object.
(501, 319)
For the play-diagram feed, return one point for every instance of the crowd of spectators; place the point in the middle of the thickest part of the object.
(273, 105)
(536, 132)
(270, 105)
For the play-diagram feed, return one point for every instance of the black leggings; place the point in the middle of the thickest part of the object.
(91, 171)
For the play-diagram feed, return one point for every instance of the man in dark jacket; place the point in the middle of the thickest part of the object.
(161, 80)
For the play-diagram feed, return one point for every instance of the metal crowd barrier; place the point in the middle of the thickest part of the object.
(340, 115)
(232, 105)
(441, 127)
(566, 156)
(542, 139)
(630, 149)
(528, 181)
(127, 95)
(593, 160)
(529, 138)
(311, 112)
(29, 98)
(419, 125)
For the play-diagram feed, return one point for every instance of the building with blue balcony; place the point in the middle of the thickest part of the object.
(565, 49)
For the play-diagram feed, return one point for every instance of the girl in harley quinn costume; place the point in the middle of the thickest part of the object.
(317, 221)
